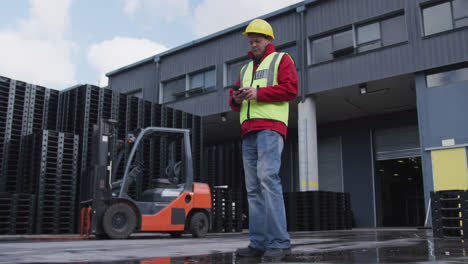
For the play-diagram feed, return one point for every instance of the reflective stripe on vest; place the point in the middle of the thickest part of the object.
(265, 75)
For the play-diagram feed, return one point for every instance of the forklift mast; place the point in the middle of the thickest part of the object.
(102, 158)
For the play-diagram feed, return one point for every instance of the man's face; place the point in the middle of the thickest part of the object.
(258, 44)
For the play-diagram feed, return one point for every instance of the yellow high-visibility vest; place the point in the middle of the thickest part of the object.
(265, 75)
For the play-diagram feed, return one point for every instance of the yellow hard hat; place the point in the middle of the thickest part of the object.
(259, 26)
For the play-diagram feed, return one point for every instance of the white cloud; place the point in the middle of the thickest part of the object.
(130, 6)
(214, 15)
(36, 50)
(168, 10)
(118, 52)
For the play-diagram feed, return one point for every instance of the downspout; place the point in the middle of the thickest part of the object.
(157, 61)
(302, 44)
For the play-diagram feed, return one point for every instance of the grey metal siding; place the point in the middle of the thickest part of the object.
(203, 105)
(332, 14)
(358, 175)
(141, 77)
(226, 48)
(330, 164)
(419, 53)
(442, 112)
(214, 54)
(442, 115)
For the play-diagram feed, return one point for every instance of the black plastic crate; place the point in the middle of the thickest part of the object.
(450, 213)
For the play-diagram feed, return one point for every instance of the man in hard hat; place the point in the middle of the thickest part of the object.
(266, 84)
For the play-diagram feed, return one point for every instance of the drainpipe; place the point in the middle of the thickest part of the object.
(156, 97)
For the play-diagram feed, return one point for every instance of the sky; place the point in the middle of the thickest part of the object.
(61, 43)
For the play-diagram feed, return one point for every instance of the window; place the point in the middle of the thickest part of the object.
(202, 82)
(447, 77)
(291, 50)
(445, 16)
(360, 38)
(233, 70)
(173, 90)
(368, 37)
(332, 46)
(393, 30)
(382, 33)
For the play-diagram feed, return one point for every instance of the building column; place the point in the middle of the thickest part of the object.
(308, 157)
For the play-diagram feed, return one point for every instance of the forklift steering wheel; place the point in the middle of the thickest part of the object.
(173, 172)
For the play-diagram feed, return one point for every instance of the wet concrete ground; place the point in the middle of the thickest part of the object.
(349, 246)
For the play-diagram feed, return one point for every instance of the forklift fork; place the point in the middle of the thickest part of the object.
(85, 220)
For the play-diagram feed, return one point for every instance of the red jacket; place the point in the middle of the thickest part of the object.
(285, 90)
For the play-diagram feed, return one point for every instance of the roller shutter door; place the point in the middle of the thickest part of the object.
(396, 143)
(330, 164)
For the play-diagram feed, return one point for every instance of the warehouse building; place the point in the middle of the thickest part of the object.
(381, 108)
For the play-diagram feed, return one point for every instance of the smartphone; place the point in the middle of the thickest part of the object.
(236, 87)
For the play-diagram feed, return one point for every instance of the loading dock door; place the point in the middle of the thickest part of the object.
(395, 143)
(398, 177)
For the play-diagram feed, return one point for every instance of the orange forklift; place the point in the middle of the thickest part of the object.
(169, 206)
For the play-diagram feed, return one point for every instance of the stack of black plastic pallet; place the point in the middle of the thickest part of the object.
(317, 210)
(227, 210)
(223, 165)
(24, 109)
(54, 173)
(80, 108)
(85, 105)
(42, 170)
(16, 213)
(450, 213)
(224, 174)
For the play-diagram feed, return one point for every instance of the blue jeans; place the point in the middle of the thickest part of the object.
(261, 152)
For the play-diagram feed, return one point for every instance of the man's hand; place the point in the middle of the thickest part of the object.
(245, 93)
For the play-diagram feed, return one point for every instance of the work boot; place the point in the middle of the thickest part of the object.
(277, 253)
(249, 252)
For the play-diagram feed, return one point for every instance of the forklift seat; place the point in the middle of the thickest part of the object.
(167, 188)
(162, 194)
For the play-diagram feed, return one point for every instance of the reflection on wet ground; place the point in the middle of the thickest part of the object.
(348, 247)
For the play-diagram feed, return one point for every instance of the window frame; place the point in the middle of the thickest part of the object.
(176, 95)
(226, 70)
(354, 31)
(288, 45)
(446, 70)
(335, 53)
(370, 42)
(430, 4)
(202, 89)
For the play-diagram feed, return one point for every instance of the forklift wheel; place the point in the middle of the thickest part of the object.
(199, 225)
(119, 221)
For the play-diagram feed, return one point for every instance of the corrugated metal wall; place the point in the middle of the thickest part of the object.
(418, 53)
(140, 77)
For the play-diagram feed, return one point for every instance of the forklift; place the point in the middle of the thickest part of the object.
(169, 206)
